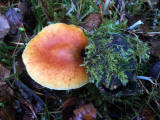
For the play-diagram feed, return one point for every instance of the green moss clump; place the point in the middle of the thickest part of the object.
(111, 56)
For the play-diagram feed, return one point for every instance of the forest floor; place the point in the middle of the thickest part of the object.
(21, 98)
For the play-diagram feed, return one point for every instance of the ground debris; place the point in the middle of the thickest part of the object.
(85, 112)
(4, 26)
(76, 109)
(14, 19)
(4, 72)
(155, 72)
(7, 113)
(19, 94)
(155, 47)
(28, 98)
(146, 114)
(91, 21)
(5, 90)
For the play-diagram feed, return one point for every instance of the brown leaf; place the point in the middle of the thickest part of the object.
(14, 19)
(72, 101)
(7, 113)
(4, 26)
(76, 109)
(69, 105)
(85, 112)
(4, 72)
(5, 91)
(2, 99)
(146, 114)
(91, 21)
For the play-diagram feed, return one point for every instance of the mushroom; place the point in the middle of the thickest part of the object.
(53, 57)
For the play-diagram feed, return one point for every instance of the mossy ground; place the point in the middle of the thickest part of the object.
(112, 53)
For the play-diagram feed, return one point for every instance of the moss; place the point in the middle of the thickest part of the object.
(111, 55)
(57, 11)
(137, 6)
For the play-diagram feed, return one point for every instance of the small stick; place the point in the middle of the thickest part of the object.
(139, 22)
(158, 104)
(143, 86)
(71, 9)
(16, 43)
(16, 47)
(106, 4)
(102, 17)
(149, 33)
(29, 105)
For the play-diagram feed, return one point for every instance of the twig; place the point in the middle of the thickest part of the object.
(54, 112)
(25, 32)
(139, 22)
(145, 78)
(121, 7)
(17, 43)
(143, 87)
(28, 105)
(101, 12)
(71, 9)
(79, 6)
(150, 3)
(22, 86)
(106, 4)
(16, 46)
(158, 104)
(149, 33)
(39, 93)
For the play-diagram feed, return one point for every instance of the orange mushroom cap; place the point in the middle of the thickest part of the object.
(53, 57)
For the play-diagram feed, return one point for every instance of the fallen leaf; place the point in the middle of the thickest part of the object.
(70, 102)
(146, 114)
(4, 72)
(7, 113)
(4, 26)
(85, 112)
(5, 90)
(14, 19)
(69, 105)
(91, 21)
(76, 109)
